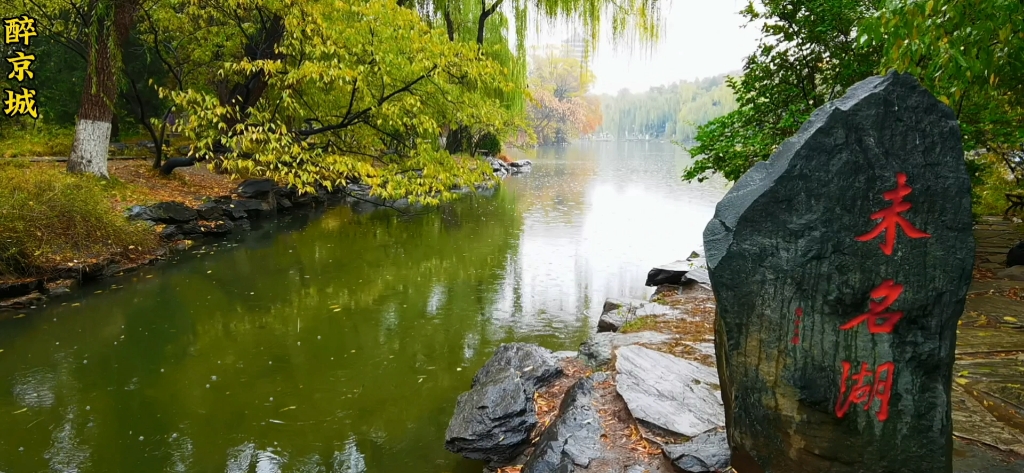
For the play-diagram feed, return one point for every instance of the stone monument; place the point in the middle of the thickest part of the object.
(840, 268)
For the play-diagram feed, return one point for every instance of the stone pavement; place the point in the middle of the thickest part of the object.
(988, 397)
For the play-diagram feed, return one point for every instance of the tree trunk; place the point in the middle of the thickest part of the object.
(92, 132)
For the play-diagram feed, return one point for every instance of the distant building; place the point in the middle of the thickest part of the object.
(574, 47)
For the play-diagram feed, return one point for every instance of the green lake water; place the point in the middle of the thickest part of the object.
(338, 342)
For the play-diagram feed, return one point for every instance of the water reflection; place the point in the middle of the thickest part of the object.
(339, 342)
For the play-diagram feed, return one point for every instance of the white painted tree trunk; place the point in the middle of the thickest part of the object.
(89, 153)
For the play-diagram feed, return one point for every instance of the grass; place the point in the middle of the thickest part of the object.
(50, 219)
(639, 324)
(32, 139)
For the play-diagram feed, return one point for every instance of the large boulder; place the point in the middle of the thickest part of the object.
(535, 365)
(139, 212)
(705, 453)
(494, 420)
(171, 212)
(255, 188)
(574, 440)
(668, 392)
(212, 210)
(1015, 257)
(840, 268)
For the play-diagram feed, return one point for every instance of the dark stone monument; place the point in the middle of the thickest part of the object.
(840, 268)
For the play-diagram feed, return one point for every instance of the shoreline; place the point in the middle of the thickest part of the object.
(182, 225)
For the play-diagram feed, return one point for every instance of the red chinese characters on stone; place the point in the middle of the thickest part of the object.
(891, 217)
(877, 320)
(796, 331)
(868, 386)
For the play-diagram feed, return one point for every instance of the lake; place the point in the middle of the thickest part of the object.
(338, 341)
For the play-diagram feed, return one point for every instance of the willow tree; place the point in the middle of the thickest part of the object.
(98, 30)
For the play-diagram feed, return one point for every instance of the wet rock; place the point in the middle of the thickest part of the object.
(561, 355)
(617, 312)
(246, 208)
(357, 189)
(574, 440)
(535, 365)
(597, 350)
(283, 203)
(1013, 273)
(675, 273)
(1015, 257)
(524, 163)
(20, 288)
(705, 453)
(671, 393)
(242, 224)
(255, 188)
(493, 421)
(181, 231)
(171, 212)
(826, 366)
(212, 210)
(216, 227)
(139, 212)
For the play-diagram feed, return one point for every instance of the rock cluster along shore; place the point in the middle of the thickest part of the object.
(217, 217)
(617, 384)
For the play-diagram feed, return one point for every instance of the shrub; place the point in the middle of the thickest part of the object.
(49, 218)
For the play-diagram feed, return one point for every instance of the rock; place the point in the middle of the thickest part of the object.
(574, 440)
(597, 350)
(705, 453)
(361, 190)
(535, 365)
(675, 273)
(493, 421)
(184, 150)
(181, 231)
(617, 312)
(818, 375)
(1015, 257)
(212, 210)
(1013, 273)
(561, 355)
(242, 224)
(283, 203)
(216, 227)
(171, 212)
(671, 393)
(138, 212)
(20, 288)
(521, 163)
(255, 188)
(246, 208)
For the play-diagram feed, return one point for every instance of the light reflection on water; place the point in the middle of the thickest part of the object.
(338, 343)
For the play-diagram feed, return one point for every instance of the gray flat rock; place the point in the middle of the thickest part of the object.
(596, 351)
(671, 393)
(574, 440)
(705, 453)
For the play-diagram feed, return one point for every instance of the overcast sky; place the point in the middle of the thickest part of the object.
(701, 38)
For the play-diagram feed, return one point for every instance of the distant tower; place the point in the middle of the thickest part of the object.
(574, 47)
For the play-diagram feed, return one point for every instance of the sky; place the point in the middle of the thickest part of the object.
(701, 38)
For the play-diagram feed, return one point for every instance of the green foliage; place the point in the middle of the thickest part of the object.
(990, 182)
(808, 55)
(357, 92)
(51, 218)
(667, 112)
(969, 53)
(490, 144)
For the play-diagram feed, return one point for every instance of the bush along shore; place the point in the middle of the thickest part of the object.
(56, 206)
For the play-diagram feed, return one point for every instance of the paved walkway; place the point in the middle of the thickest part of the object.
(988, 397)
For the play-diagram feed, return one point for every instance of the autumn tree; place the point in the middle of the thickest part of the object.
(559, 110)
